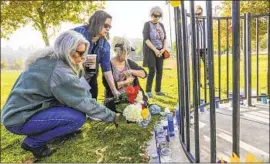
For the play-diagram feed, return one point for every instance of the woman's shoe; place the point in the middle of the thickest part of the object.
(160, 93)
(38, 152)
(149, 94)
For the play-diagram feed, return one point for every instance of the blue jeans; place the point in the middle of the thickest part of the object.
(49, 124)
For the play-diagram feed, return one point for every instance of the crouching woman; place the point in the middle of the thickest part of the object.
(48, 99)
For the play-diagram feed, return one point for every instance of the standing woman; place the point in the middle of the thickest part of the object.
(154, 45)
(97, 33)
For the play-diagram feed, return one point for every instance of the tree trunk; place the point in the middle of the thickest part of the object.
(43, 28)
(45, 37)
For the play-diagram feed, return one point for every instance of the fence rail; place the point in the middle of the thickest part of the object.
(200, 36)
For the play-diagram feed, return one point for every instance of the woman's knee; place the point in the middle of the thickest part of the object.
(76, 118)
(152, 70)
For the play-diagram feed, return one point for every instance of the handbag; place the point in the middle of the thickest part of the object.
(166, 55)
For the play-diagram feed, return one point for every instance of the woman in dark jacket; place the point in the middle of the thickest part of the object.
(154, 45)
(97, 33)
(125, 71)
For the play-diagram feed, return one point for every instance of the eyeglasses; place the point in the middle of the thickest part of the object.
(107, 26)
(81, 53)
(156, 16)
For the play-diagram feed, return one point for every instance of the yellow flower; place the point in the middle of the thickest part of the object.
(145, 113)
(249, 158)
(235, 158)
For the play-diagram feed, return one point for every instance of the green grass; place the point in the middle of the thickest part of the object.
(125, 144)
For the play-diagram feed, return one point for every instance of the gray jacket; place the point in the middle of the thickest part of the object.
(49, 82)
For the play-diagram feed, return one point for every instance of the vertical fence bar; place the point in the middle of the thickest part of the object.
(248, 62)
(180, 46)
(257, 56)
(245, 53)
(211, 81)
(186, 74)
(236, 74)
(268, 70)
(178, 53)
(219, 62)
(195, 83)
(205, 68)
(198, 52)
(227, 55)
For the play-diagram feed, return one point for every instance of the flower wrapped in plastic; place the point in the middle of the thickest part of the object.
(137, 113)
(133, 107)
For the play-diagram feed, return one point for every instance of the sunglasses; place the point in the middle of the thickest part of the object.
(156, 16)
(81, 53)
(107, 26)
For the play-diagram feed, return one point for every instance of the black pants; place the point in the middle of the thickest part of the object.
(152, 71)
(204, 56)
(94, 86)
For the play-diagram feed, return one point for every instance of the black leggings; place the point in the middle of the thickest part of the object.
(152, 70)
(94, 86)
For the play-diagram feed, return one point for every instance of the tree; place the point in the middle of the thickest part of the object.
(18, 64)
(253, 7)
(3, 65)
(44, 16)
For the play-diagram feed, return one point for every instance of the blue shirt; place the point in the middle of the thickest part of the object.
(102, 49)
(156, 35)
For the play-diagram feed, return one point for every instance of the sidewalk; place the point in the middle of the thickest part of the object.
(178, 154)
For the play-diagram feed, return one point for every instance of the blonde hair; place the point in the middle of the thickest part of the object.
(121, 45)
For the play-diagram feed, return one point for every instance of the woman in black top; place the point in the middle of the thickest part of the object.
(154, 45)
(125, 71)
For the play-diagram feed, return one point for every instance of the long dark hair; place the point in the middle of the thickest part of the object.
(96, 22)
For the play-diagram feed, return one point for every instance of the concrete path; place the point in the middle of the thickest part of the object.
(254, 135)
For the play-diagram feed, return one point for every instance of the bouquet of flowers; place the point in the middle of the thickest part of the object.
(133, 107)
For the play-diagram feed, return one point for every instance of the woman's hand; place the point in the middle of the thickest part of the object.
(157, 52)
(129, 79)
(116, 93)
(162, 51)
(126, 73)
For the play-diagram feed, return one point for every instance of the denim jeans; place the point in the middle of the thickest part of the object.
(49, 124)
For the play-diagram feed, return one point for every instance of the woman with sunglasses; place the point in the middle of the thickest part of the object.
(48, 100)
(97, 33)
(125, 71)
(154, 45)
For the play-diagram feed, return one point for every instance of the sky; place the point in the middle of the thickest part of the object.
(128, 20)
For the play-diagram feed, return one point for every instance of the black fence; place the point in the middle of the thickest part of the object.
(196, 83)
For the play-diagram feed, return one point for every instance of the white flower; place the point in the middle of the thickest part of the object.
(139, 97)
(133, 112)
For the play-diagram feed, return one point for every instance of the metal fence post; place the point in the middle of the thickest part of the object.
(257, 57)
(219, 62)
(178, 53)
(245, 53)
(268, 86)
(195, 83)
(248, 62)
(227, 55)
(211, 81)
(186, 72)
(236, 75)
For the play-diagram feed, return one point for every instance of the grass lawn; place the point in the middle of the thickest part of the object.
(102, 141)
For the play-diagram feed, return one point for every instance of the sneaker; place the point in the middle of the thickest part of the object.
(160, 93)
(43, 151)
(149, 94)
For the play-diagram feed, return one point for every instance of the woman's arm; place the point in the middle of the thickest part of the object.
(138, 73)
(146, 38)
(126, 82)
(136, 70)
